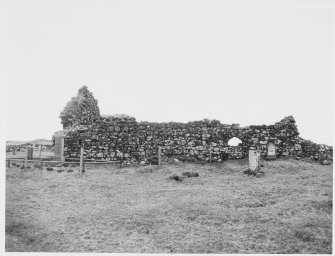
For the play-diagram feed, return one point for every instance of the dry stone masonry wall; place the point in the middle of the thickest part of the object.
(114, 138)
(122, 138)
(316, 152)
(80, 110)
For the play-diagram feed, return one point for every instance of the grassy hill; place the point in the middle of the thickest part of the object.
(139, 209)
(37, 142)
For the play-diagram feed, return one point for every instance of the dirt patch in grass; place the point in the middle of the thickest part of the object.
(136, 209)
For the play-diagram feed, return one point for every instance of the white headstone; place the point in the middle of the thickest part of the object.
(271, 152)
(254, 157)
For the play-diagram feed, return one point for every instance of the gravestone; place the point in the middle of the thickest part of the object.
(30, 151)
(271, 151)
(254, 159)
(59, 147)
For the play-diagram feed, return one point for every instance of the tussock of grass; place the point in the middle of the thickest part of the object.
(304, 235)
(190, 174)
(135, 210)
(176, 177)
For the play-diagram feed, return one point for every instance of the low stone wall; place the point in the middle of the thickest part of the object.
(316, 152)
(112, 138)
(22, 148)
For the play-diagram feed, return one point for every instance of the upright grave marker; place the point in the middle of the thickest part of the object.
(30, 152)
(254, 157)
(271, 151)
(59, 146)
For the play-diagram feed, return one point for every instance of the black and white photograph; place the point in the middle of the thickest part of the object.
(167, 127)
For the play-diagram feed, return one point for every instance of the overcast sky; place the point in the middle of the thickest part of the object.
(238, 62)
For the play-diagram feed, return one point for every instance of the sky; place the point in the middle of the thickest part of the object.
(246, 62)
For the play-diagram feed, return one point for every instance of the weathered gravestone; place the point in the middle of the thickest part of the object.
(254, 157)
(59, 146)
(254, 162)
(271, 151)
(30, 151)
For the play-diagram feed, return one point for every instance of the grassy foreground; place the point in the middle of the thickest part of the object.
(138, 209)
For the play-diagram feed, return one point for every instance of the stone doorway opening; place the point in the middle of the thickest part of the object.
(234, 142)
(235, 150)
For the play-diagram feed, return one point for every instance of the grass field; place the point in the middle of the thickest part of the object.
(138, 209)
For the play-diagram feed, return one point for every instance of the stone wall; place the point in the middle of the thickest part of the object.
(316, 152)
(82, 109)
(122, 138)
(22, 148)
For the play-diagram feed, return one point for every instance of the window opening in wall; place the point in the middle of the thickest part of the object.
(234, 142)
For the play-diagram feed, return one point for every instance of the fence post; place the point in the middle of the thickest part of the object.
(210, 154)
(40, 156)
(81, 160)
(8, 163)
(62, 157)
(159, 155)
(26, 159)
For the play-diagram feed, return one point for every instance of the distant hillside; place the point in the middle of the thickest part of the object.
(37, 142)
(42, 142)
